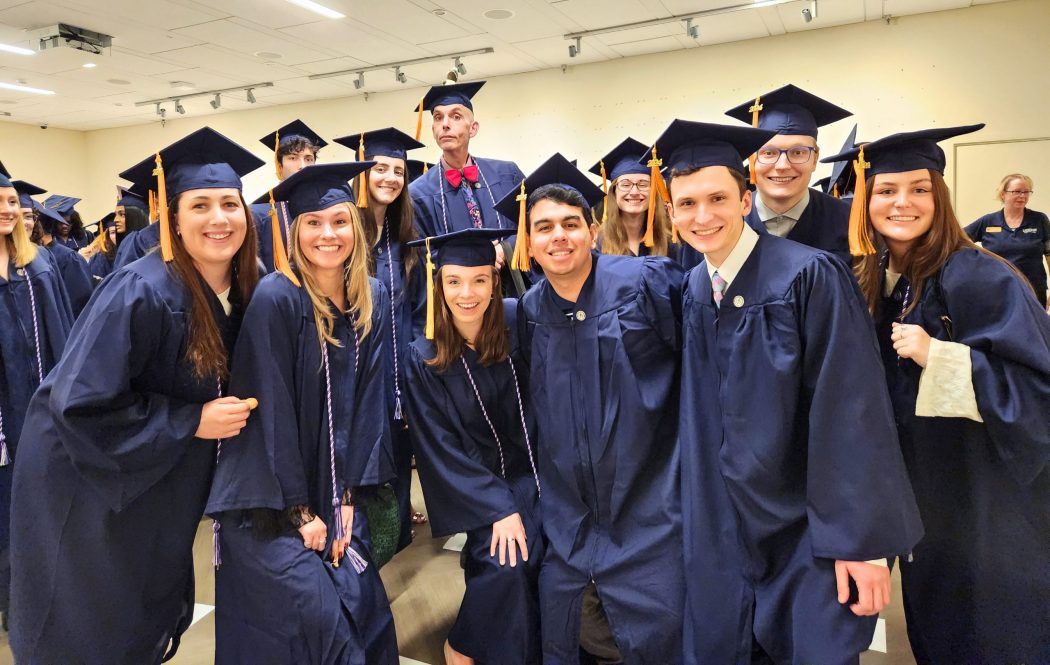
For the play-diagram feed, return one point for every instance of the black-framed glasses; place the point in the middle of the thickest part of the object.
(1019, 192)
(625, 186)
(799, 154)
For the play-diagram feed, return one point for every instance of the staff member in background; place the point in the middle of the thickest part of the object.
(623, 226)
(1016, 233)
(35, 318)
(966, 350)
(475, 433)
(107, 500)
(389, 223)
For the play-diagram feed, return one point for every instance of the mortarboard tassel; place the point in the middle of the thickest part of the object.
(152, 207)
(657, 189)
(429, 332)
(216, 550)
(276, 159)
(426, 167)
(520, 260)
(835, 190)
(362, 194)
(605, 188)
(419, 120)
(755, 108)
(166, 252)
(280, 256)
(859, 238)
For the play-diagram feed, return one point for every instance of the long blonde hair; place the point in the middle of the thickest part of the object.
(355, 277)
(19, 246)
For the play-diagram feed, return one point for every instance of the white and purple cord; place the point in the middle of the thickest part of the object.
(5, 454)
(444, 211)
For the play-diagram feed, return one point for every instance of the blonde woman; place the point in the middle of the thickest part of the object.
(295, 582)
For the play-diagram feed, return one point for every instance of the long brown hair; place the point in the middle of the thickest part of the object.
(399, 209)
(205, 351)
(493, 341)
(613, 235)
(927, 255)
(355, 278)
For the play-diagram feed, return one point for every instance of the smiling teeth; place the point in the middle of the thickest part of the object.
(218, 236)
(327, 248)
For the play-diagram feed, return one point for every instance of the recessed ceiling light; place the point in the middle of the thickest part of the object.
(118, 81)
(498, 14)
(118, 104)
(438, 12)
(184, 86)
(268, 55)
(26, 88)
(89, 65)
(317, 8)
(7, 48)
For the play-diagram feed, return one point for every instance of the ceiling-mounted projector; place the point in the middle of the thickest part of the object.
(64, 35)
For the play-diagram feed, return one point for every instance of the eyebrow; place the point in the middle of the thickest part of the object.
(551, 221)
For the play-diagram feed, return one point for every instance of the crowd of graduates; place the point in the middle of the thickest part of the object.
(694, 414)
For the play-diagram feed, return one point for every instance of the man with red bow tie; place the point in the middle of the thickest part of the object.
(462, 190)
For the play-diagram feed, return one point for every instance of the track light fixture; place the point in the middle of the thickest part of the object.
(574, 49)
(217, 102)
(461, 69)
(216, 97)
(399, 75)
(251, 95)
(457, 65)
(359, 82)
(179, 108)
(691, 30)
(810, 12)
(161, 111)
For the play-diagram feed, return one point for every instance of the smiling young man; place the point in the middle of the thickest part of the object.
(794, 492)
(601, 335)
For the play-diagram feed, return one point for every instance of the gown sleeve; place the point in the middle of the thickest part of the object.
(121, 440)
(461, 493)
(77, 277)
(262, 467)
(662, 286)
(993, 312)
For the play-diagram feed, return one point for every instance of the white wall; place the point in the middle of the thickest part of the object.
(985, 63)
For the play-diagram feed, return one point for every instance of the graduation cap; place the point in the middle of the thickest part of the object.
(557, 170)
(204, 159)
(108, 221)
(897, 153)
(48, 217)
(5, 180)
(4, 173)
(415, 168)
(129, 198)
(293, 130)
(63, 205)
(838, 169)
(469, 248)
(445, 95)
(387, 142)
(316, 187)
(622, 160)
(25, 191)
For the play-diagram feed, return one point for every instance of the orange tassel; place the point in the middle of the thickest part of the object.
(605, 188)
(426, 167)
(520, 260)
(429, 330)
(362, 188)
(658, 189)
(755, 108)
(419, 120)
(166, 251)
(835, 190)
(280, 256)
(276, 159)
(860, 243)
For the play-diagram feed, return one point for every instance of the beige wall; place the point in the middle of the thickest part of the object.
(941, 69)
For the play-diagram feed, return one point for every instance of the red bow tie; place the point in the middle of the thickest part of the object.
(456, 176)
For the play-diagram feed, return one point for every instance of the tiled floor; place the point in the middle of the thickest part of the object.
(425, 585)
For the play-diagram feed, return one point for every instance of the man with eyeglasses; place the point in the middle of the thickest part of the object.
(784, 204)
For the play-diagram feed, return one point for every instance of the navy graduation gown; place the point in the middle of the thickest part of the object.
(19, 373)
(789, 460)
(136, 245)
(604, 388)
(76, 243)
(276, 599)
(978, 588)
(100, 266)
(1024, 246)
(471, 481)
(824, 225)
(497, 178)
(75, 275)
(115, 481)
(261, 214)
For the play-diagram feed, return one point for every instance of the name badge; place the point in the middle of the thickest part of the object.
(994, 229)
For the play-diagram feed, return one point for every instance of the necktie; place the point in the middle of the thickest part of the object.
(718, 287)
(470, 174)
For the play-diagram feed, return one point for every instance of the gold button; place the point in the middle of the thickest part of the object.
(738, 301)
(581, 315)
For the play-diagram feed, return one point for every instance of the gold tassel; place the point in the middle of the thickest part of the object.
(859, 238)
(605, 189)
(656, 187)
(276, 159)
(429, 331)
(520, 260)
(362, 193)
(835, 190)
(755, 108)
(280, 256)
(166, 252)
(426, 167)
(152, 207)
(419, 120)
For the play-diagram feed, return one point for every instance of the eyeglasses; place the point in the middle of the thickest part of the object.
(1019, 192)
(625, 186)
(797, 155)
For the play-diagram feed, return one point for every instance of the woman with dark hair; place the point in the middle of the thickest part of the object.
(70, 231)
(1017, 233)
(296, 583)
(387, 215)
(966, 351)
(107, 500)
(35, 318)
(630, 202)
(127, 218)
(475, 437)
